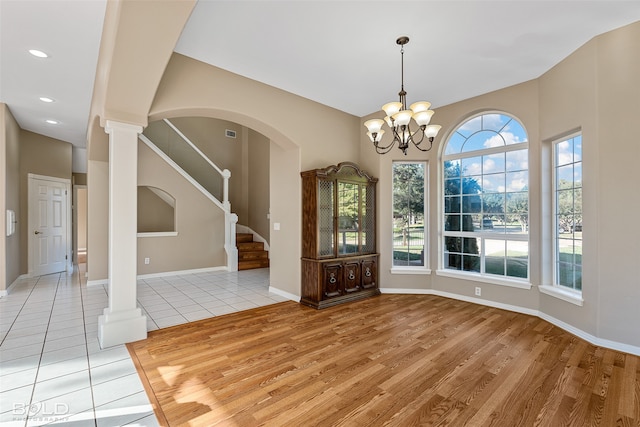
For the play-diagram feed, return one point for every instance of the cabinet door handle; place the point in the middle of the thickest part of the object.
(332, 280)
(368, 273)
(351, 275)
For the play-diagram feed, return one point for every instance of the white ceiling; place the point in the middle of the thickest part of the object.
(69, 31)
(339, 53)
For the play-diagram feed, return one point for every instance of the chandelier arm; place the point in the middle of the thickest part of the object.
(417, 144)
(413, 139)
(396, 135)
(402, 133)
(384, 148)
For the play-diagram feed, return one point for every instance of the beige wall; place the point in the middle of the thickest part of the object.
(79, 178)
(97, 220)
(10, 175)
(568, 102)
(79, 214)
(26, 153)
(616, 197)
(258, 172)
(81, 219)
(209, 136)
(520, 101)
(246, 157)
(39, 155)
(154, 213)
(192, 88)
(4, 111)
(286, 207)
(595, 90)
(199, 223)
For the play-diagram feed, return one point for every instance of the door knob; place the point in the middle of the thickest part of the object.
(36, 232)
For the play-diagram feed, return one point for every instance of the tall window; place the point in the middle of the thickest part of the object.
(567, 162)
(408, 214)
(486, 199)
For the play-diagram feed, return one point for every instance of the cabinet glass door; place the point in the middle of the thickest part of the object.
(348, 218)
(368, 219)
(326, 237)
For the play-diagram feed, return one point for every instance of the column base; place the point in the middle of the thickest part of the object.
(115, 328)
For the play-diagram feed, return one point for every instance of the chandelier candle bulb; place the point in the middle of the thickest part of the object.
(432, 131)
(419, 106)
(398, 118)
(402, 118)
(392, 108)
(374, 125)
(423, 118)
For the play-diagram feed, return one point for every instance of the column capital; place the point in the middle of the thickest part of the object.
(112, 126)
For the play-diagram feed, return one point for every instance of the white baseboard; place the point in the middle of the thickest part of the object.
(597, 341)
(284, 294)
(162, 274)
(7, 291)
(97, 282)
(600, 342)
(182, 272)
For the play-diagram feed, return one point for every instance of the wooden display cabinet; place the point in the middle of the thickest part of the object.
(339, 259)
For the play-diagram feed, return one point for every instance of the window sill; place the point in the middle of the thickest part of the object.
(485, 279)
(574, 297)
(159, 234)
(410, 270)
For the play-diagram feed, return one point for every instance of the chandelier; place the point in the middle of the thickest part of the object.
(399, 119)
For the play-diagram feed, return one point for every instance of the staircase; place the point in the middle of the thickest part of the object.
(250, 254)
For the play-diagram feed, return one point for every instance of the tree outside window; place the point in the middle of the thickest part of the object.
(568, 212)
(408, 214)
(486, 198)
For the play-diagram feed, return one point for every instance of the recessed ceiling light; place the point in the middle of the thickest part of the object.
(52, 122)
(38, 53)
(45, 99)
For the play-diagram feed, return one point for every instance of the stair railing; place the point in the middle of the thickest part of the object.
(188, 160)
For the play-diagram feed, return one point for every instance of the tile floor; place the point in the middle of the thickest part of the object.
(52, 370)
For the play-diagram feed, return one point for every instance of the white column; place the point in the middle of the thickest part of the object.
(122, 320)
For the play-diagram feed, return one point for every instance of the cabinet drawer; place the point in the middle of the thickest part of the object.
(352, 276)
(332, 280)
(369, 273)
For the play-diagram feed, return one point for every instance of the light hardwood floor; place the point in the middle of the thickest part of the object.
(395, 360)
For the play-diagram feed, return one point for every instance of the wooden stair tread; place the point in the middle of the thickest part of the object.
(248, 265)
(244, 237)
(242, 256)
(250, 246)
(251, 254)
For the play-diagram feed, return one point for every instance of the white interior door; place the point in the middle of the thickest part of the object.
(48, 226)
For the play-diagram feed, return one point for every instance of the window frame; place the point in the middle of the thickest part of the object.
(408, 269)
(483, 235)
(569, 294)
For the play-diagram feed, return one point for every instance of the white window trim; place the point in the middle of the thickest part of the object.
(477, 276)
(398, 269)
(401, 269)
(565, 294)
(484, 278)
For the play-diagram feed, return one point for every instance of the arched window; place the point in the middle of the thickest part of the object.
(486, 199)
